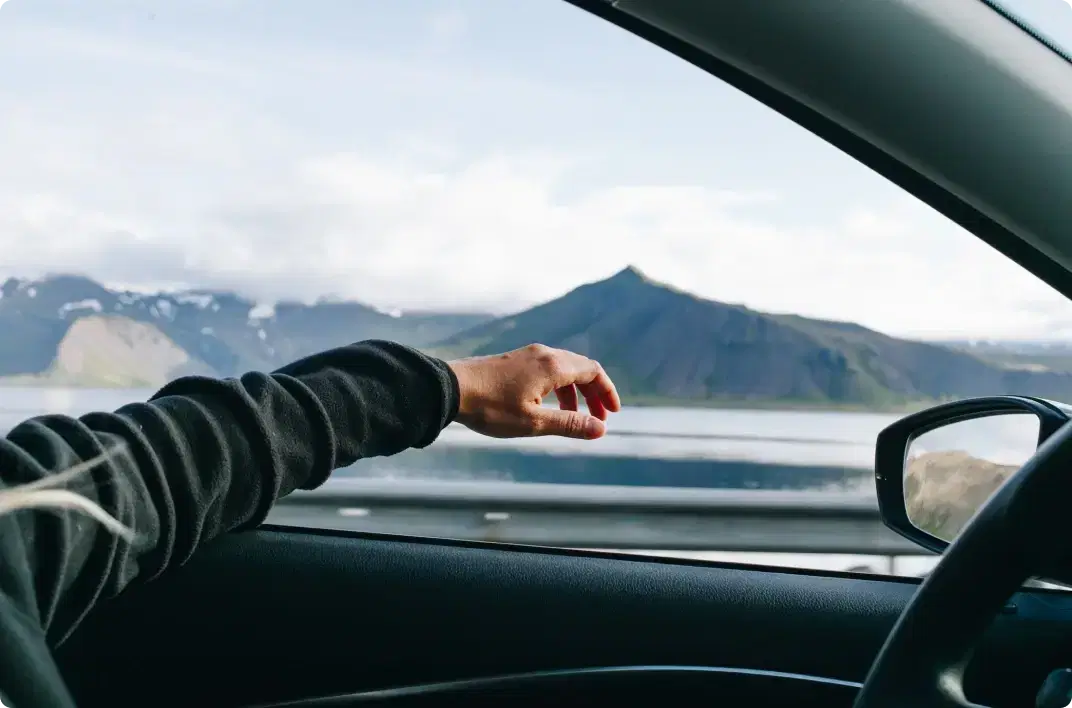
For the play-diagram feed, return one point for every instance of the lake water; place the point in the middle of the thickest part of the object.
(694, 447)
(740, 449)
(665, 447)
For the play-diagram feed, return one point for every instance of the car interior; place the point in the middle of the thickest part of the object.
(284, 616)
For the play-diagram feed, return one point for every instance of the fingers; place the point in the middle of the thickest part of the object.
(567, 397)
(598, 390)
(567, 400)
(595, 404)
(569, 369)
(568, 424)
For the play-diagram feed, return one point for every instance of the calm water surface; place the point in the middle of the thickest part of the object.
(645, 446)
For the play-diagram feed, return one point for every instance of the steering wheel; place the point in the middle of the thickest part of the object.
(1017, 534)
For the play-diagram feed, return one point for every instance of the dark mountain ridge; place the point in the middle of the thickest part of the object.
(659, 342)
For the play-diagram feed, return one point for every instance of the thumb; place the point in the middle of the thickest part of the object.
(569, 424)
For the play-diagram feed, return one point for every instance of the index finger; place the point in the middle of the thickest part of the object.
(593, 381)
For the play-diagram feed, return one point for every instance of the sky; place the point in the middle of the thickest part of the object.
(453, 154)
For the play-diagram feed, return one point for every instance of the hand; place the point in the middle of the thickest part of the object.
(502, 395)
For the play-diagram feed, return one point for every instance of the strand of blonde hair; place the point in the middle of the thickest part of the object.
(43, 494)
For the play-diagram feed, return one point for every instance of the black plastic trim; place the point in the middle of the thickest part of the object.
(268, 616)
(533, 682)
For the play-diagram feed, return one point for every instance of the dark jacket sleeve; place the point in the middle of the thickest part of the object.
(203, 456)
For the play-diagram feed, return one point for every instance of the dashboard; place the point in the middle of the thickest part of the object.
(618, 686)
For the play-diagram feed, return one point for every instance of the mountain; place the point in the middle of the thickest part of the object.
(1042, 355)
(658, 342)
(109, 351)
(944, 489)
(70, 329)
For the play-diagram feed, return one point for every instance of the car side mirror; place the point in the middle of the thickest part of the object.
(936, 468)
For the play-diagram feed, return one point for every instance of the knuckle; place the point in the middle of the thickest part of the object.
(574, 425)
(546, 357)
(552, 367)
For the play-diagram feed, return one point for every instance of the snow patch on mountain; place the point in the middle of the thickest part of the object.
(91, 304)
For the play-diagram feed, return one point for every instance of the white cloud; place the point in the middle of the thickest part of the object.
(447, 25)
(492, 234)
(280, 180)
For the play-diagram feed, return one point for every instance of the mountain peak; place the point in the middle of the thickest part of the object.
(632, 277)
(630, 273)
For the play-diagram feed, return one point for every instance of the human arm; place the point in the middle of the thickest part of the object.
(205, 456)
(202, 457)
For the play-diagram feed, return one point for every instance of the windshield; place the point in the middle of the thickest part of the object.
(1050, 19)
(208, 187)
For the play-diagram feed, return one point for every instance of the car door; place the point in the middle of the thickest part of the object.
(726, 522)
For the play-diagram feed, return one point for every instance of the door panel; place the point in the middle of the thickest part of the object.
(272, 615)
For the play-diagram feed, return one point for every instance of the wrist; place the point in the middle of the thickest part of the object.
(462, 375)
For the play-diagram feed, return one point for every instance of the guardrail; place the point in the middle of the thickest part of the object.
(596, 516)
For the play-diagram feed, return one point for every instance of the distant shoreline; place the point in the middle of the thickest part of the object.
(774, 404)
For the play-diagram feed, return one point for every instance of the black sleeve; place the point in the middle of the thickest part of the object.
(202, 457)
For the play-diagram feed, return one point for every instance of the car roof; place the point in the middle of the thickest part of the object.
(951, 100)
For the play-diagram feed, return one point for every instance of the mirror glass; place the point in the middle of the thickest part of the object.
(952, 470)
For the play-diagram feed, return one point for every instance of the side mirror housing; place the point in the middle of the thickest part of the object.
(934, 469)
